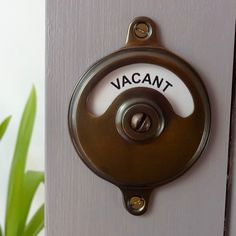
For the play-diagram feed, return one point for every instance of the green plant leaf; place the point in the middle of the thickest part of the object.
(3, 126)
(36, 224)
(0, 230)
(16, 178)
(32, 181)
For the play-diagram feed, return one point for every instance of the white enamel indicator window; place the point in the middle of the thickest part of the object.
(141, 75)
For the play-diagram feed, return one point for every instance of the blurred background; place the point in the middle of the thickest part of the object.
(22, 43)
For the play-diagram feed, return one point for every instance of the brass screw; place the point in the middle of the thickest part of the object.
(140, 122)
(137, 203)
(141, 30)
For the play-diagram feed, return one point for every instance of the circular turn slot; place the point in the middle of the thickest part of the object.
(139, 120)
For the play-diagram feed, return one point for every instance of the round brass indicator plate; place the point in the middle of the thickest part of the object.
(156, 126)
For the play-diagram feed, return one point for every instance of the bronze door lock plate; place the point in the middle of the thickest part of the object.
(139, 117)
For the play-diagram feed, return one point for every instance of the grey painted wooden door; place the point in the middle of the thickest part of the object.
(79, 32)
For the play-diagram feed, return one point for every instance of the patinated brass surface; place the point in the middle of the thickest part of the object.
(138, 167)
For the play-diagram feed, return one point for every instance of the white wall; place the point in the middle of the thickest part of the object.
(21, 66)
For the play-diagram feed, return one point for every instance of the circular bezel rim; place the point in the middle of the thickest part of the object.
(114, 61)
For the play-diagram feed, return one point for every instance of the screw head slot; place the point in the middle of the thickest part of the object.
(142, 30)
(141, 122)
(136, 204)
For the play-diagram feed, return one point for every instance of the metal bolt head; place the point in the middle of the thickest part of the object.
(142, 30)
(140, 122)
(136, 203)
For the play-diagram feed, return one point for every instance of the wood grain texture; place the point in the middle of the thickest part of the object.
(79, 32)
